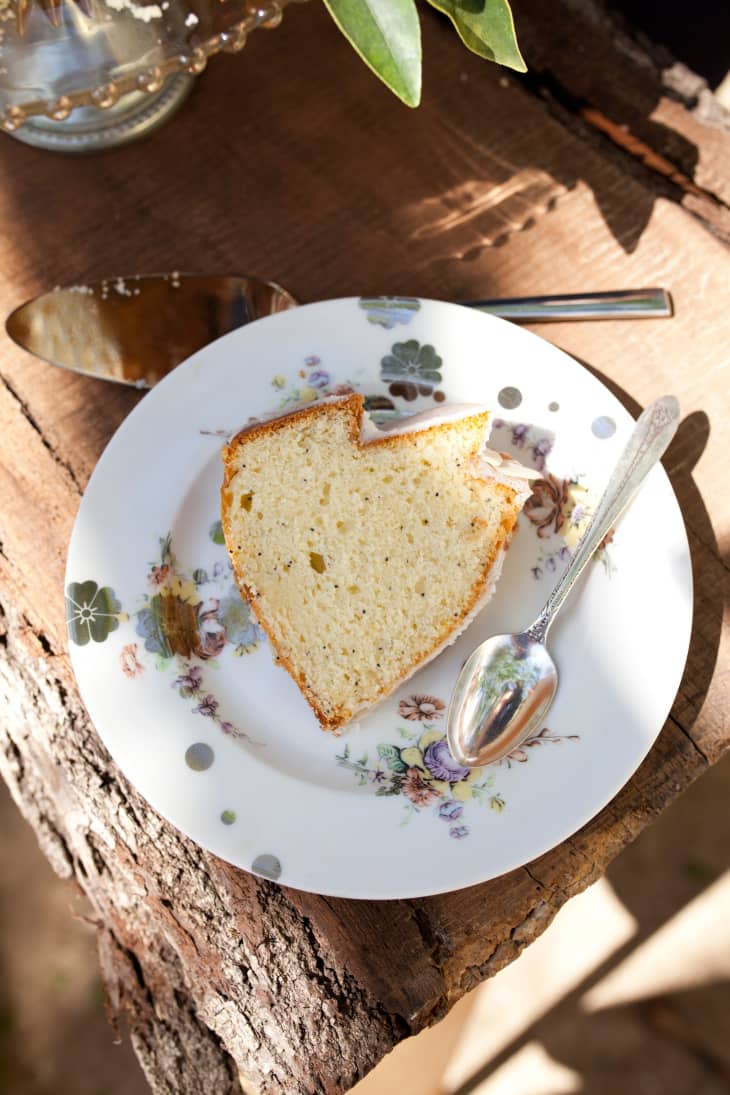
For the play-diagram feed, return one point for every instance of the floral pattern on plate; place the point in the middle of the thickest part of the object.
(543, 737)
(559, 509)
(189, 685)
(528, 443)
(314, 382)
(194, 616)
(388, 312)
(92, 612)
(423, 771)
(412, 369)
(409, 371)
(179, 620)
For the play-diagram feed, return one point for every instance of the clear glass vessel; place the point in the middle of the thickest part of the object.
(77, 75)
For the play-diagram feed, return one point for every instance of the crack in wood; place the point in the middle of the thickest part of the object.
(43, 640)
(690, 739)
(531, 925)
(529, 871)
(48, 826)
(34, 424)
(434, 941)
(15, 757)
(168, 1036)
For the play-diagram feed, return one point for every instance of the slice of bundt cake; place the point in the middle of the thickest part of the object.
(364, 552)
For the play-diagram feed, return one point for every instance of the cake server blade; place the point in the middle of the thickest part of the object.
(135, 330)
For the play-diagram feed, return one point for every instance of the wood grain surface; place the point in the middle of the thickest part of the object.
(605, 167)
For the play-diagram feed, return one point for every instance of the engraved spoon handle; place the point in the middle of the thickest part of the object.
(650, 437)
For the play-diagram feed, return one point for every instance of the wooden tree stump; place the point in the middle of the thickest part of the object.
(604, 167)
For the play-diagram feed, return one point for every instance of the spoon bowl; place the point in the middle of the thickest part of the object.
(507, 685)
(504, 690)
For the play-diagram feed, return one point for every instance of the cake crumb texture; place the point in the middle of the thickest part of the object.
(361, 560)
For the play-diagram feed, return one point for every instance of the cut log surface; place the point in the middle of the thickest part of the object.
(605, 167)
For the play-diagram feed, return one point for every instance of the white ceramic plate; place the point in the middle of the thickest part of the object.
(220, 741)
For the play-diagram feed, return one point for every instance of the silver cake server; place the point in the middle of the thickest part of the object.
(135, 330)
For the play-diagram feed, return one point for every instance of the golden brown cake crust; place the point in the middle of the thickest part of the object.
(354, 407)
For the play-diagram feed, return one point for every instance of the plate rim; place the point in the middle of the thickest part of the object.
(174, 379)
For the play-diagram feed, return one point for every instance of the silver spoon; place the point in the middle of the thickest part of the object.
(135, 330)
(507, 685)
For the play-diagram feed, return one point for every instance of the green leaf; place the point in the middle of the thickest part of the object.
(485, 27)
(391, 755)
(392, 788)
(387, 35)
(166, 548)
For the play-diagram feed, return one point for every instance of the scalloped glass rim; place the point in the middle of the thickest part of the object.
(150, 79)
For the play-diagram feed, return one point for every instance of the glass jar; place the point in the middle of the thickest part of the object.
(79, 75)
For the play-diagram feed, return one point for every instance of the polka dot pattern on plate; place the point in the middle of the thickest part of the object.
(268, 866)
(509, 398)
(553, 406)
(199, 756)
(228, 817)
(603, 427)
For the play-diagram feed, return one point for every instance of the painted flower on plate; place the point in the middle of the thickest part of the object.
(189, 683)
(421, 708)
(158, 575)
(149, 627)
(441, 764)
(211, 632)
(389, 311)
(411, 361)
(540, 452)
(92, 612)
(235, 615)
(421, 769)
(577, 513)
(208, 706)
(417, 789)
(544, 508)
(451, 810)
(131, 665)
(184, 589)
(319, 378)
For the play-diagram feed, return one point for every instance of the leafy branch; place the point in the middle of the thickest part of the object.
(387, 36)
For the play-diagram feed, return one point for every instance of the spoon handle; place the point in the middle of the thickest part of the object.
(650, 437)
(622, 304)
